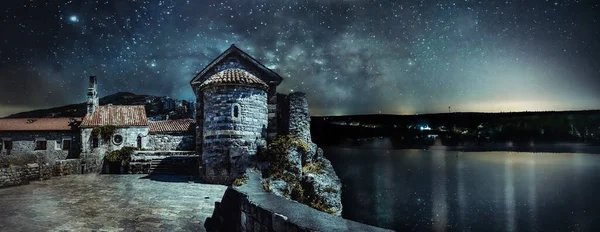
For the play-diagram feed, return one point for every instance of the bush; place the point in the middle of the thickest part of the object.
(241, 181)
(123, 155)
(277, 152)
(314, 167)
(23, 160)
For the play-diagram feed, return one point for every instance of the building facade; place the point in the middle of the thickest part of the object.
(53, 138)
(236, 113)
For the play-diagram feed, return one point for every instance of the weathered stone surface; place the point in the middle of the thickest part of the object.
(24, 142)
(324, 186)
(20, 175)
(268, 212)
(108, 203)
(171, 142)
(229, 142)
(320, 184)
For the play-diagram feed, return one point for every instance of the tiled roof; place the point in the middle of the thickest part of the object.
(116, 116)
(38, 124)
(172, 126)
(234, 76)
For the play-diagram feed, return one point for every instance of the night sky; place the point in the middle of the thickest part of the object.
(350, 56)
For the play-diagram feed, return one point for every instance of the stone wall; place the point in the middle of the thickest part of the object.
(129, 135)
(249, 208)
(299, 116)
(229, 142)
(171, 142)
(23, 143)
(17, 175)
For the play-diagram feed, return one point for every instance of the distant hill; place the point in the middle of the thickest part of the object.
(463, 128)
(154, 107)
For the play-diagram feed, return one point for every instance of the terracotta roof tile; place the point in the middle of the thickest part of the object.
(117, 116)
(38, 124)
(172, 126)
(234, 76)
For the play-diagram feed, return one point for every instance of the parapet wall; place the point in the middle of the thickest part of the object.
(245, 209)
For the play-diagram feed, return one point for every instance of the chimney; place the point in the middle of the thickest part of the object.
(92, 95)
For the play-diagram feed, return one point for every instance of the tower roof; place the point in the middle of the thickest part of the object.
(234, 77)
(246, 62)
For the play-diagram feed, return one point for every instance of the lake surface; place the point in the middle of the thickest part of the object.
(439, 190)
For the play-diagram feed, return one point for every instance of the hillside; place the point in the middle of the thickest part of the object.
(155, 106)
(463, 128)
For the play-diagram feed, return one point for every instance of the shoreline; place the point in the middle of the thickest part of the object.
(539, 148)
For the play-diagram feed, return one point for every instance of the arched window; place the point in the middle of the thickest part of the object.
(236, 111)
(139, 142)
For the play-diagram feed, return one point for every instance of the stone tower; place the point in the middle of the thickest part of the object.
(236, 105)
(93, 101)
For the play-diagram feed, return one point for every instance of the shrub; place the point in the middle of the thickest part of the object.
(240, 181)
(297, 193)
(23, 160)
(314, 167)
(266, 186)
(322, 206)
(277, 152)
(123, 155)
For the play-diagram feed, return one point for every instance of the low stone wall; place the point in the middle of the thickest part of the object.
(14, 176)
(250, 208)
(67, 167)
(171, 142)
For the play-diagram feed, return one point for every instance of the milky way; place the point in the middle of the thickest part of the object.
(350, 56)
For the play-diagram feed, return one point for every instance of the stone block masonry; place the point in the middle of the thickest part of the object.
(171, 142)
(14, 176)
(235, 124)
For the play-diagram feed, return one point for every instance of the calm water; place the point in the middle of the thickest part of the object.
(437, 190)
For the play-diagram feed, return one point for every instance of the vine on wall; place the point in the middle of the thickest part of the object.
(105, 131)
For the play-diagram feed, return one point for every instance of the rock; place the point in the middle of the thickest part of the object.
(324, 189)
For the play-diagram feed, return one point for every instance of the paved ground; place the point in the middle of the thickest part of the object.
(108, 203)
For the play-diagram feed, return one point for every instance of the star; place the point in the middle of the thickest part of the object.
(74, 18)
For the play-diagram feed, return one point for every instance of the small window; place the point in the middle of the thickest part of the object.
(95, 142)
(139, 142)
(8, 145)
(40, 145)
(235, 111)
(66, 144)
(1, 145)
(118, 139)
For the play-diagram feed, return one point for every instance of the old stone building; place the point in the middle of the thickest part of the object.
(130, 128)
(236, 113)
(55, 138)
(172, 135)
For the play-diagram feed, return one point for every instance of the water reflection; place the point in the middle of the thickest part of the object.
(509, 196)
(439, 211)
(420, 190)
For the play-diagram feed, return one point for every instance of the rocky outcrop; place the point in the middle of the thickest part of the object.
(248, 208)
(295, 167)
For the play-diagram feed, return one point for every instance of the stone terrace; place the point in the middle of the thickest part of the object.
(107, 203)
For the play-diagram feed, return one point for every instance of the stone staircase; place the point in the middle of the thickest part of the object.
(164, 163)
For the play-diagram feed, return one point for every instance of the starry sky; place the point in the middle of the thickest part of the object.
(349, 56)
